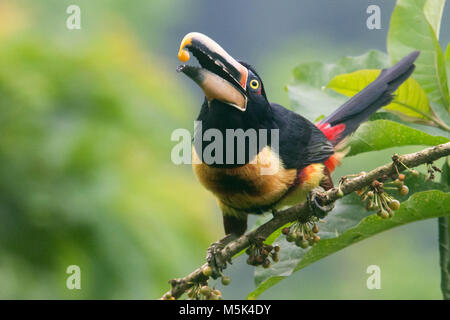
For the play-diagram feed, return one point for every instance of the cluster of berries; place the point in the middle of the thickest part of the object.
(201, 290)
(303, 234)
(259, 253)
(377, 199)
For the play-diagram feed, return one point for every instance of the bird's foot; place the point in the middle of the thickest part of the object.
(215, 258)
(315, 203)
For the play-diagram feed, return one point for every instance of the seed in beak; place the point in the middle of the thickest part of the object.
(183, 55)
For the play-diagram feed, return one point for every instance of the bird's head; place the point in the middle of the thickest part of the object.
(223, 79)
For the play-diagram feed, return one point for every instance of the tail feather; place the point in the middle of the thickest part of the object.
(376, 95)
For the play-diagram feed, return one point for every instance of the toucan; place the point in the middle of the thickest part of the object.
(306, 153)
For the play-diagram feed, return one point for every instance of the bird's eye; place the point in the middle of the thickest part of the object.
(254, 84)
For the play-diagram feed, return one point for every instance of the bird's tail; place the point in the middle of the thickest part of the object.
(347, 118)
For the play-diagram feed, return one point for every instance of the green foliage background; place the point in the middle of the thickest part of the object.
(85, 170)
(86, 176)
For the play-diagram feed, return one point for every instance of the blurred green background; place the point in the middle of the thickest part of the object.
(85, 171)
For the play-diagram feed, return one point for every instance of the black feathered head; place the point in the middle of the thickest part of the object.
(221, 77)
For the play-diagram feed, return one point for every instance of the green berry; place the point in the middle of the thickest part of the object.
(339, 193)
(290, 238)
(205, 290)
(394, 204)
(398, 183)
(315, 229)
(304, 244)
(383, 214)
(404, 190)
(226, 280)
(207, 271)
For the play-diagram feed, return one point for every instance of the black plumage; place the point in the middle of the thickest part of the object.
(301, 142)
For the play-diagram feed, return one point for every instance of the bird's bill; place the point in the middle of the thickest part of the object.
(215, 87)
(220, 76)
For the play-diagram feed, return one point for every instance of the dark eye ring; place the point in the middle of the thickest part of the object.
(254, 84)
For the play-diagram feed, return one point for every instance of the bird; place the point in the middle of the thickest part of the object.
(306, 153)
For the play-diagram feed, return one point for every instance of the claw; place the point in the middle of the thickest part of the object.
(215, 259)
(214, 256)
(318, 209)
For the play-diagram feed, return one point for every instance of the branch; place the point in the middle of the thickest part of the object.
(303, 212)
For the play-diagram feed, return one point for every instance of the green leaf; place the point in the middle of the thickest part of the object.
(434, 131)
(410, 99)
(383, 134)
(346, 225)
(447, 63)
(318, 74)
(310, 79)
(433, 12)
(410, 30)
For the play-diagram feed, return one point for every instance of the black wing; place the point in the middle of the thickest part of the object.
(301, 142)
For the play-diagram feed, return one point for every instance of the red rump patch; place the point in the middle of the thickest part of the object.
(332, 133)
(332, 162)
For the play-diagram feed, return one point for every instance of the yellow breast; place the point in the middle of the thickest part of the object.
(246, 187)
